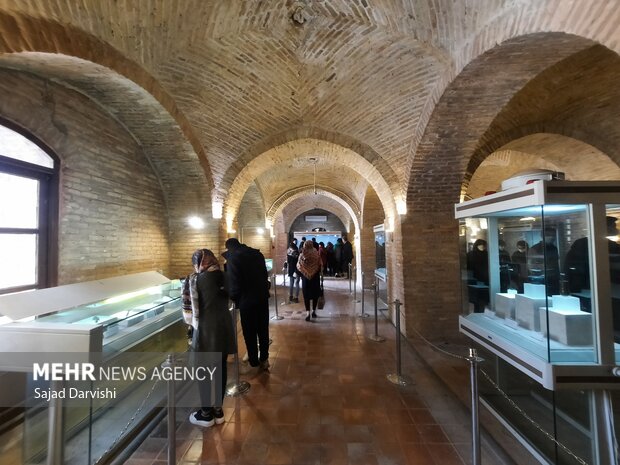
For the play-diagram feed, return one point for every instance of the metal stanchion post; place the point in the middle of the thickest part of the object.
(363, 314)
(355, 284)
(349, 275)
(55, 434)
(375, 337)
(398, 378)
(239, 387)
(169, 363)
(275, 297)
(473, 360)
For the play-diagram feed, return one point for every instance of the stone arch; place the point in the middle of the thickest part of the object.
(24, 34)
(296, 205)
(84, 63)
(341, 149)
(278, 205)
(307, 192)
(576, 159)
(491, 90)
(514, 21)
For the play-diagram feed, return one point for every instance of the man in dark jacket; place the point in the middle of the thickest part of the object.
(248, 283)
(347, 256)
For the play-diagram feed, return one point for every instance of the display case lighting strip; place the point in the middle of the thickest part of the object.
(131, 295)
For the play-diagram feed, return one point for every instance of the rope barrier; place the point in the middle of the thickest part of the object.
(131, 420)
(507, 398)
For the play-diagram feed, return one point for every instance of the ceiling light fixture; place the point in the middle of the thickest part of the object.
(313, 160)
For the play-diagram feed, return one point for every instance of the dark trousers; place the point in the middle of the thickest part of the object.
(255, 327)
(314, 303)
(212, 393)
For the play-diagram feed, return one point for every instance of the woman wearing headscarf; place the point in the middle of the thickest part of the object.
(309, 266)
(213, 331)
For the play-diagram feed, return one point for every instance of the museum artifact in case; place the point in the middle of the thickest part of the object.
(540, 267)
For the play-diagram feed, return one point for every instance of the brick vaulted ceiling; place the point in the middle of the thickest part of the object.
(241, 93)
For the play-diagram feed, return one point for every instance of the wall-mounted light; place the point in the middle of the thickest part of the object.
(260, 230)
(196, 222)
(216, 209)
(401, 207)
(229, 225)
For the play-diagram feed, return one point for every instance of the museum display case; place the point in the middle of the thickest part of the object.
(540, 271)
(110, 322)
(380, 264)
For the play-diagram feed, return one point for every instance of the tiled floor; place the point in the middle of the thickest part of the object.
(326, 401)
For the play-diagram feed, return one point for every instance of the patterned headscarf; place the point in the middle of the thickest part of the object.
(203, 260)
(308, 263)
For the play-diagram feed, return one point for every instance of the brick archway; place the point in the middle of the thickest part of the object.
(492, 92)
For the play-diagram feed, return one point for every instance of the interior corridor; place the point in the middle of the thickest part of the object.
(326, 401)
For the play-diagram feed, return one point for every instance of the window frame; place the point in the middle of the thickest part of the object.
(47, 230)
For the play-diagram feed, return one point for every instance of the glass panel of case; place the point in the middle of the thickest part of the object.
(612, 212)
(147, 322)
(521, 274)
(563, 415)
(380, 267)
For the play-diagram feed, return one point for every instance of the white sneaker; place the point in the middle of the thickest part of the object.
(245, 358)
(199, 419)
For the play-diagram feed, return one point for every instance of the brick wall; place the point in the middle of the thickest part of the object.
(372, 215)
(251, 222)
(113, 219)
(333, 222)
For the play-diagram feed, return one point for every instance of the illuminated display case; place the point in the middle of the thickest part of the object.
(107, 315)
(540, 270)
(109, 321)
(380, 264)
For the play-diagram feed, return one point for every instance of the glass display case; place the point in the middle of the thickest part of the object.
(540, 270)
(380, 264)
(380, 269)
(112, 322)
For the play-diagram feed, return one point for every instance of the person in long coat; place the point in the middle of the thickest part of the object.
(309, 265)
(213, 332)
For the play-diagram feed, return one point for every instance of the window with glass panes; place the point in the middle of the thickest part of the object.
(28, 197)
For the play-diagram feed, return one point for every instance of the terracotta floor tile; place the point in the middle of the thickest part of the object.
(354, 416)
(253, 454)
(422, 416)
(334, 454)
(444, 454)
(357, 433)
(307, 433)
(399, 416)
(432, 434)
(418, 454)
(327, 401)
(307, 454)
(280, 454)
